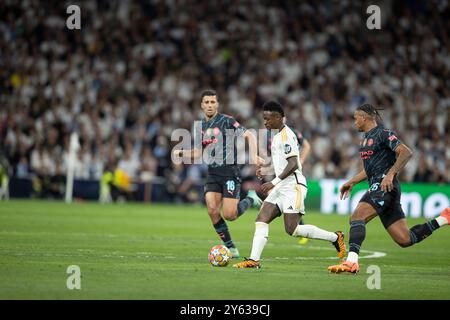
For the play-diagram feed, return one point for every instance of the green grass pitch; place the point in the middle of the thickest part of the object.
(149, 251)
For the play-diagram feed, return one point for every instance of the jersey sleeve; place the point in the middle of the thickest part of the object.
(290, 145)
(390, 139)
(236, 126)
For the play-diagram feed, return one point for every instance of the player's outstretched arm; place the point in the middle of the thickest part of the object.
(403, 155)
(253, 145)
(347, 187)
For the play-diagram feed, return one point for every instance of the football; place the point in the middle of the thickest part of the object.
(219, 256)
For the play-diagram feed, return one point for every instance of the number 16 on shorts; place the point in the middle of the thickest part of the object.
(231, 186)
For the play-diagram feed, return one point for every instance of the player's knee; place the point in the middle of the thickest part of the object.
(230, 215)
(356, 216)
(404, 244)
(213, 212)
(404, 241)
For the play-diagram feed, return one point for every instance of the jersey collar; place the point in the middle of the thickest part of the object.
(371, 131)
(213, 118)
(282, 128)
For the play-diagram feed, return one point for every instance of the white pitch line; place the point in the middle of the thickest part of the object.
(372, 254)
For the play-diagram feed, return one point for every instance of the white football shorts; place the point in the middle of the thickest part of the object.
(289, 197)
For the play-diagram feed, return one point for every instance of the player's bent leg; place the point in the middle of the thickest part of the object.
(231, 191)
(233, 208)
(407, 237)
(363, 213)
(306, 231)
(400, 233)
(230, 210)
(267, 213)
(214, 203)
(291, 222)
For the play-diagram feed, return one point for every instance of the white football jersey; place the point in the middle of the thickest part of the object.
(284, 146)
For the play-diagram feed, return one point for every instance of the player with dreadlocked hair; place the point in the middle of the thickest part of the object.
(383, 155)
(371, 110)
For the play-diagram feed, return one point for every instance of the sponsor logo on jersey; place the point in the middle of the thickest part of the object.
(366, 154)
(392, 138)
(209, 141)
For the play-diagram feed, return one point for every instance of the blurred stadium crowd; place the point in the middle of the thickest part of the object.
(134, 72)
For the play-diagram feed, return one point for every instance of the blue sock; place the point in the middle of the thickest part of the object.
(421, 231)
(357, 235)
(222, 230)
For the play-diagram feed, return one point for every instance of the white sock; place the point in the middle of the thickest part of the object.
(313, 232)
(442, 221)
(352, 257)
(259, 240)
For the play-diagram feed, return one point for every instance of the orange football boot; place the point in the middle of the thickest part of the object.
(345, 266)
(339, 244)
(247, 263)
(446, 214)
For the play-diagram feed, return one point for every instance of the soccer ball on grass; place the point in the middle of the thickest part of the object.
(219, 256)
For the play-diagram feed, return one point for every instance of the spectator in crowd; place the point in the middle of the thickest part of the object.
(126, 81)
(4, 179)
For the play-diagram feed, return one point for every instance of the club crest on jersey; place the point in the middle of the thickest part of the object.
(370, 142)
(287, 149)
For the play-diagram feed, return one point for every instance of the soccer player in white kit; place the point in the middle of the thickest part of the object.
(288, 194)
